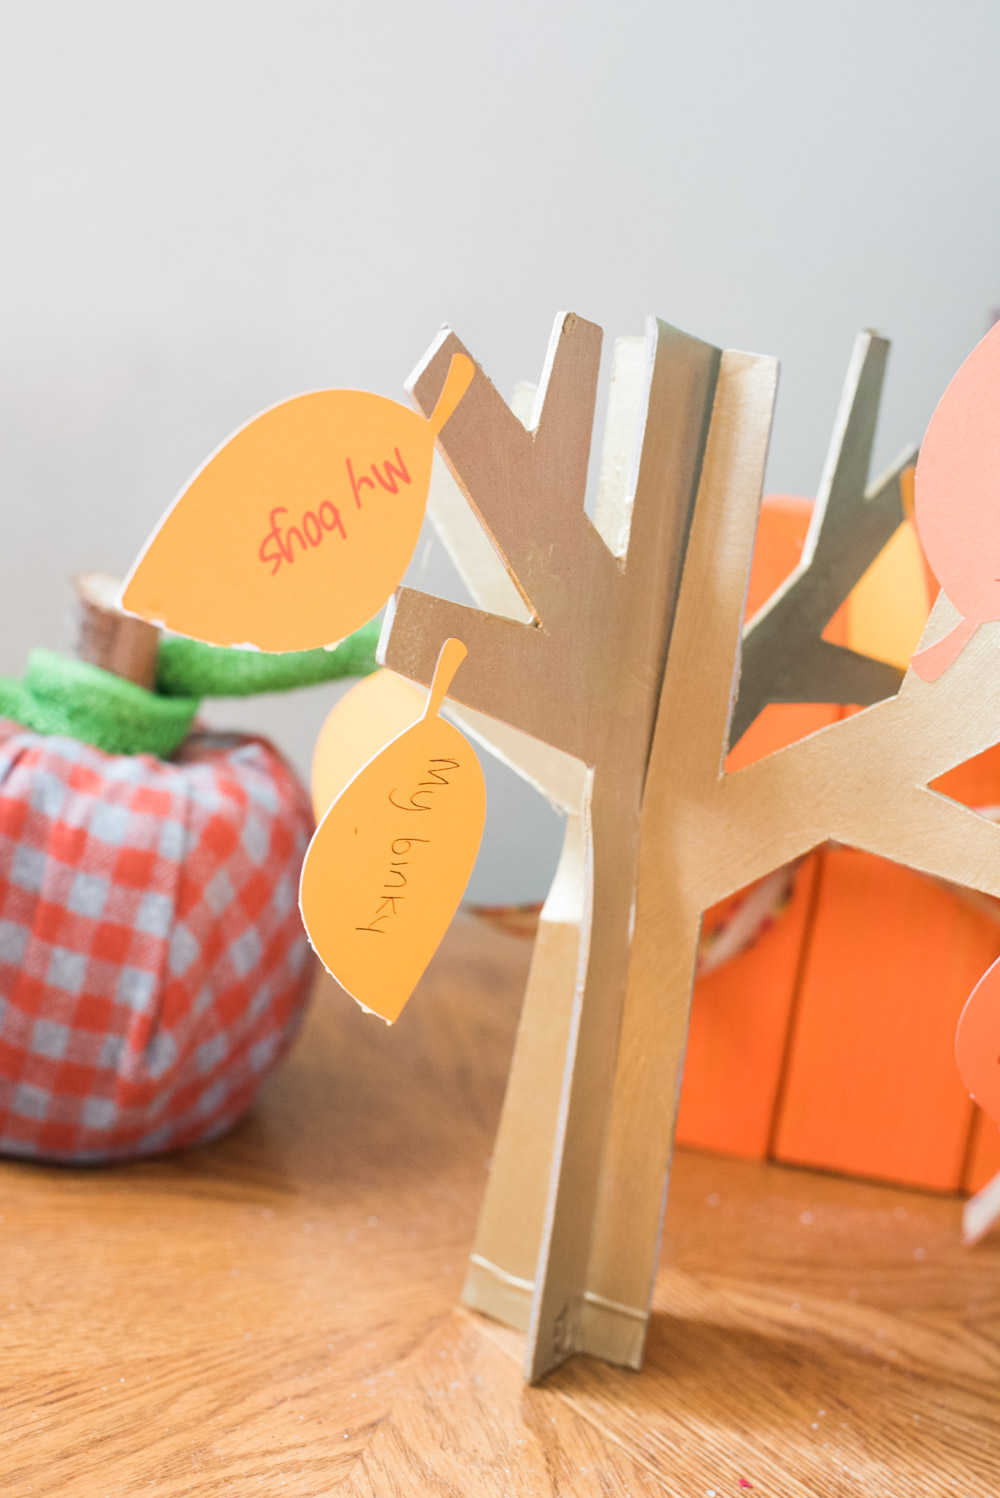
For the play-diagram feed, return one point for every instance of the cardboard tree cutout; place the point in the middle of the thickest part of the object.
(604, 664)
(569, 1233)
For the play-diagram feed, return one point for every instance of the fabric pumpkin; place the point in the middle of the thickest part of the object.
(153, 966)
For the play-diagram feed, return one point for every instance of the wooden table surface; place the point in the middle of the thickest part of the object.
(277, 1313)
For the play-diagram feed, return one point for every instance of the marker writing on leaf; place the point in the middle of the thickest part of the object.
(390, 860)
(297, 530)
(396, 879)
(388, 902)
(279, 544)
(957, 501)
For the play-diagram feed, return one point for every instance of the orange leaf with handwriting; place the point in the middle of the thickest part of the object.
(297, 530)
(957, 501)
(390, 860)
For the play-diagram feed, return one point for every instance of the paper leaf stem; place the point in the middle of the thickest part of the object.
(390, 860)
(297, 530)
(977, 1042)
(956, 501)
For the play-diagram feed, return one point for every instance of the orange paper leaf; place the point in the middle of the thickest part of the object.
(957, 500)
(390, 860)
(977, 1042)
(297, 530)
(366, 718)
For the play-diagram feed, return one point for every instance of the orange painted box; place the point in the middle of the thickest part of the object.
(829, 1040)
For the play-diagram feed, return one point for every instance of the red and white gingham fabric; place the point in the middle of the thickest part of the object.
(153, 965)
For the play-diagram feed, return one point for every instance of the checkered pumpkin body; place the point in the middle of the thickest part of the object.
(153, 965)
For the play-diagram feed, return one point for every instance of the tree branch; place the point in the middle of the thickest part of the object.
(503, 469)
(783, 659)
(501, 652)
(847, 676)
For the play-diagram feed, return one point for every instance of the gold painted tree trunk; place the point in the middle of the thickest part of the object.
(581, 675)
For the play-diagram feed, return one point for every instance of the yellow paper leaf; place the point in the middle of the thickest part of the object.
(365, 719)
(297, 530)
(888, 608)
(390, 860)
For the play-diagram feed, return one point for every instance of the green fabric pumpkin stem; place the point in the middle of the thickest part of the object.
(187, 668)
(61, 695)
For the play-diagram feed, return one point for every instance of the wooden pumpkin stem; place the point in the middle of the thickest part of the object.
(108, 637)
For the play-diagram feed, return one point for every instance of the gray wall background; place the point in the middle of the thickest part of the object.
(209, 206)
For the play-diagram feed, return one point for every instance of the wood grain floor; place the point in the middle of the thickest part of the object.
(277, 1313)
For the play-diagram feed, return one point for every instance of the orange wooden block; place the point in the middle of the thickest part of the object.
(834, 1037)
(976, 783)
(739, 1024)
(871, 1086)
(943, 1143)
